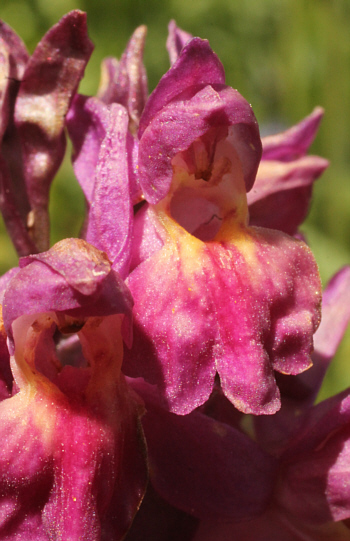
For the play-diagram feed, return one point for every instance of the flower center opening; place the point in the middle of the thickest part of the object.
(208, 185)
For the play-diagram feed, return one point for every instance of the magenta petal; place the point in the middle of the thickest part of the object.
(110, 218)
(96, 491)
(181, 122)
(50, 80)
(76, 279)
(176, 334)
(202, 466)
(176, 41)
(230, 314)
(335, 315)
(335, 319)
(282, 192)
(147, 240)
(293, 143)
(265, 323)
(87, 121)
(197, 65)
(300, 392)
(126, 82)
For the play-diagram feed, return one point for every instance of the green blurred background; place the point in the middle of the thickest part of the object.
(284, 56)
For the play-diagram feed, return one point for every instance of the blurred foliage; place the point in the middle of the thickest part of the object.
(284, 56)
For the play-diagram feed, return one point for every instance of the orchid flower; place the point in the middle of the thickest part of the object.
(73, 463)
(199, 152)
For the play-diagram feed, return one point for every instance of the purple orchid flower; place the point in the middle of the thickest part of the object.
(199, 152)
(73, 462)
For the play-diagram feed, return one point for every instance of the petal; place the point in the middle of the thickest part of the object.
(50, 80)
(13, 59)
(16, 48)
(300, 392)
(159, 521)
(315, 478)
(181, 122)
(293, 143)
(197, 65)
(202, 466)
(76, 277)
(4, 86)
(13, 217)
(110, 218)
(273, 525)
(282, 192)
(175, 333)
(146, 239)
(176, 41)
(87, 122)
(127, 84)
(272, 299)
(335, 315)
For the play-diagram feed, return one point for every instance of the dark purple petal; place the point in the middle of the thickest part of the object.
(159, 521)
(13, 59)
(4, 86)
(110, 217)
(183, 121)
(197, 66)
(12, 215)
(273, 525)
(49, 83)
(87, 122)
(16, 48)
(126, 82)
(202, 466)
(176, 41)
(282, 192)
(315, 477)
(292, 143)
